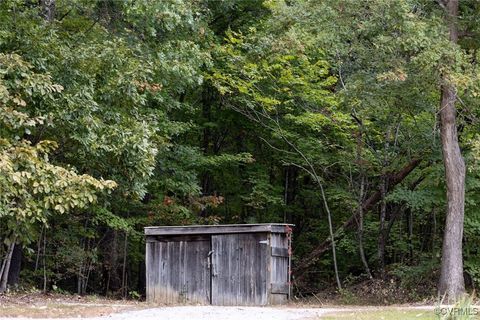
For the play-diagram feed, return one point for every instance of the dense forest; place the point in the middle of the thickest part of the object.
(357, 121)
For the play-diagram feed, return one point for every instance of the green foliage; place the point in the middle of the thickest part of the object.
(101, 216)
(117, 115)
(472, 219)
(31, 187)
(347, 297)
(418, 280)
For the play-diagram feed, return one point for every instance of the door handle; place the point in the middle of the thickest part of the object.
(211, 263)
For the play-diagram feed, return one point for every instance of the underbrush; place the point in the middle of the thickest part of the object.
(388, 291)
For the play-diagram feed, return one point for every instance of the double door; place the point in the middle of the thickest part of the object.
(224, 269)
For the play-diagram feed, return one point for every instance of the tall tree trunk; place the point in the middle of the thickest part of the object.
(451, 283)
(15, 266)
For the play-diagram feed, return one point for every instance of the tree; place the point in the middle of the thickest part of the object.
(31, 188)
(451, 282)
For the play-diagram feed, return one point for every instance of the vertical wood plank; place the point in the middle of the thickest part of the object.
(279, 269)
(217, 285)
(148, 269)
(241, 269)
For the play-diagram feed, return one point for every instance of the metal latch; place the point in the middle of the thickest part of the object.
(211, 264)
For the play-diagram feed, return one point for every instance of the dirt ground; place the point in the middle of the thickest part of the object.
(36, 305)
(39, 306)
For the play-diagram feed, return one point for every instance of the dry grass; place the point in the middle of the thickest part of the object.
(36, 305)
(398, 314)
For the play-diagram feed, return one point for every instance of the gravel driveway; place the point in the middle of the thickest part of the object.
(218, 313)
(212, 313)
(228, 313)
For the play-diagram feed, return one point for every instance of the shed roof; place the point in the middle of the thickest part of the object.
(218, 229)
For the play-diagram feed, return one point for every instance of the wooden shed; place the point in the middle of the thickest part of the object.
(245, 264)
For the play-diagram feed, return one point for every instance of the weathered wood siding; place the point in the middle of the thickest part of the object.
(219, 265)
(279, 273)
(178, 269)
(239, 271)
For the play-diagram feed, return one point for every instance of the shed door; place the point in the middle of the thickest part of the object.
(179, 270)
(239, 269)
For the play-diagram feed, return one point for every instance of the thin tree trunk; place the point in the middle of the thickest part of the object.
(87, 277)
(285, 196)
(382, 241)
(44, 261)
(124, 275)
(108, 283)
(80, 270)
(451, 282)
(410, 233)
(381, 231)
(434, 228)
(313, 173)
(79, 279)
(361, 195)
(332, 235)
(39, 248)
(4, 264)
(6, 267)
(141, 281)
(85, 266)
(360, 229)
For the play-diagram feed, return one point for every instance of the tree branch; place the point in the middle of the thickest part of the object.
(393, 180)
